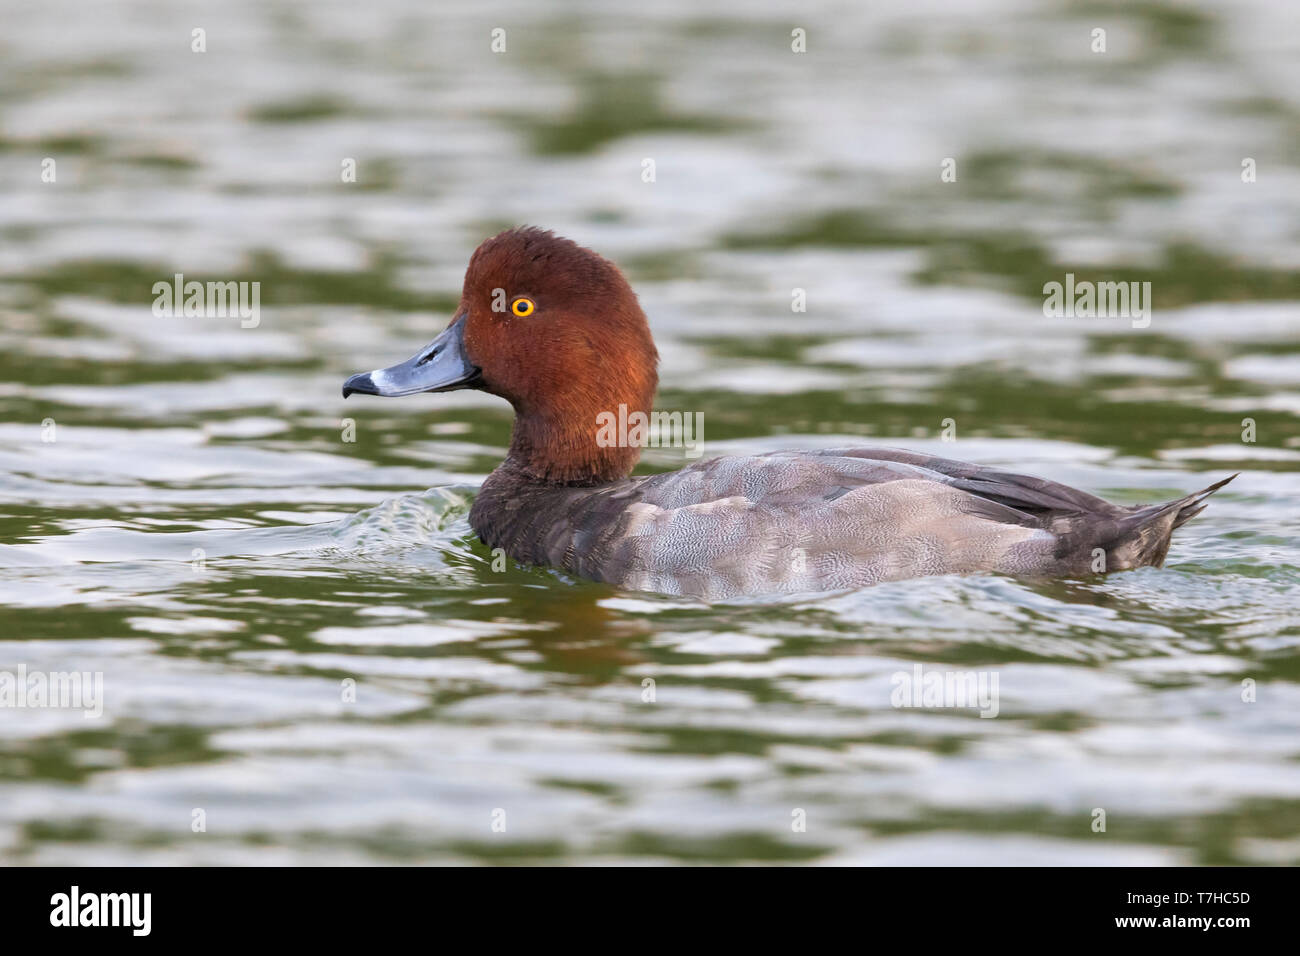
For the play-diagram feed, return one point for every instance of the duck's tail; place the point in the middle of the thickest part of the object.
(1144, 534)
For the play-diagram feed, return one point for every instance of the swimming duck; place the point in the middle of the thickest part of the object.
(556, 330)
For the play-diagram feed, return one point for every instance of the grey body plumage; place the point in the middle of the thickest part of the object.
(809, 521)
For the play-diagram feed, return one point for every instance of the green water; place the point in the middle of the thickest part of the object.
(193, 523)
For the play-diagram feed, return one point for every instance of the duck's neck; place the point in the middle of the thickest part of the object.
(570, 449)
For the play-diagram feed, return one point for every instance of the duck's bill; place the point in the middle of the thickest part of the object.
(441, 366)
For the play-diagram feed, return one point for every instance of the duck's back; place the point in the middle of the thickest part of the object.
(819, 520)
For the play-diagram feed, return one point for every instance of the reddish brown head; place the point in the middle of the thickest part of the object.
(554, 329)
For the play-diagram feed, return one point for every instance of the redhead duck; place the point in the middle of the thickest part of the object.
(556, 330)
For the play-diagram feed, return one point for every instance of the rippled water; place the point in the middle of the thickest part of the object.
(199, 531)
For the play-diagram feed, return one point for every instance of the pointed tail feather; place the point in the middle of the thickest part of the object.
(1144, 538)
(1194, 504)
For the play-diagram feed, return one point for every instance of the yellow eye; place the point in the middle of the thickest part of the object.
(522, 307)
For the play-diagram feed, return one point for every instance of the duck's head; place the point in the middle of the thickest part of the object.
(555, 330)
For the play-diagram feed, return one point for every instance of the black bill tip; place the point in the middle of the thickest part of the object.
(362, 384)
